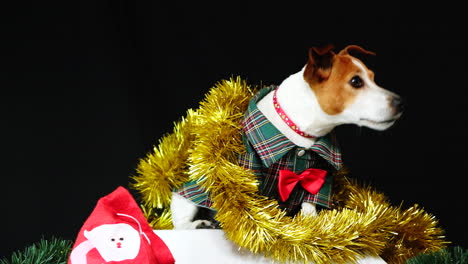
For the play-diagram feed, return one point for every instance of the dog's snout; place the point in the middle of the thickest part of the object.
(397, 103)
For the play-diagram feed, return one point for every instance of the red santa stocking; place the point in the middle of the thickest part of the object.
(117, 232)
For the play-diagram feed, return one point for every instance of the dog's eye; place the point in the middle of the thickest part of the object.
(356, 82)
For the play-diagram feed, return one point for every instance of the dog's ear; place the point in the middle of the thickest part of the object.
(320, 62)
(355, 48)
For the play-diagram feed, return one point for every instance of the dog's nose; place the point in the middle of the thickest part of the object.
(397, 103)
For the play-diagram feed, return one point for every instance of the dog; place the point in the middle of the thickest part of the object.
(330, 90)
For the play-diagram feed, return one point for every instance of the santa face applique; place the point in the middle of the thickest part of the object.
(115, 242)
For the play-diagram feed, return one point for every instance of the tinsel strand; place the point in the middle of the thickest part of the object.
(163, 170)
(363, 222)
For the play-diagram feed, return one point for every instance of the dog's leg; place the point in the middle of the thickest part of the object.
(308, 209)
(183, 212)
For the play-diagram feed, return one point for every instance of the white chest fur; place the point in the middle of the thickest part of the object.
(266, 107)
(298, 101)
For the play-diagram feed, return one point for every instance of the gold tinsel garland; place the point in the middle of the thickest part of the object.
(204, 147)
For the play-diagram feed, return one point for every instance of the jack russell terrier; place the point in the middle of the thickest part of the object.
(287, 130)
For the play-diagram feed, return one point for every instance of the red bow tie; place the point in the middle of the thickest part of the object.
(311, 179)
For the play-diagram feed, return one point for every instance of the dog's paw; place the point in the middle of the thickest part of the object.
(308, 209)
(203, 224)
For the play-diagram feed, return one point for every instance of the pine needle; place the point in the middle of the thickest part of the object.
(452, 255)
(53, 251)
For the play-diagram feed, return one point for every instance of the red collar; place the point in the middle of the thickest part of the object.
(286, 119)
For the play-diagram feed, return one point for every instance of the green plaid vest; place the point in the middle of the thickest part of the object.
(268, 151)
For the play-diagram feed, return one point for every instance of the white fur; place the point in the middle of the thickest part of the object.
(183, 212)
(308, 209)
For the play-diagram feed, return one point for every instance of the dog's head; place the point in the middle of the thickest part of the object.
(346, 91)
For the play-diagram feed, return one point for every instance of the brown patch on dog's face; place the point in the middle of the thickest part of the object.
(334, 78)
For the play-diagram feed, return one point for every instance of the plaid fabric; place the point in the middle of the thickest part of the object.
(195, 193)
(268, 151)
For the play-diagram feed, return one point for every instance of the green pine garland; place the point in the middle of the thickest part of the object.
(53, 251)
(453, 255)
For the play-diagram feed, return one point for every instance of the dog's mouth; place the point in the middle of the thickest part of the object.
(380, 124)
(384, 122)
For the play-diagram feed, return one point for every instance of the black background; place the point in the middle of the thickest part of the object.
(87, 89)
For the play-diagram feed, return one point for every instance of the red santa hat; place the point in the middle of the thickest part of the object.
(117, 232)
